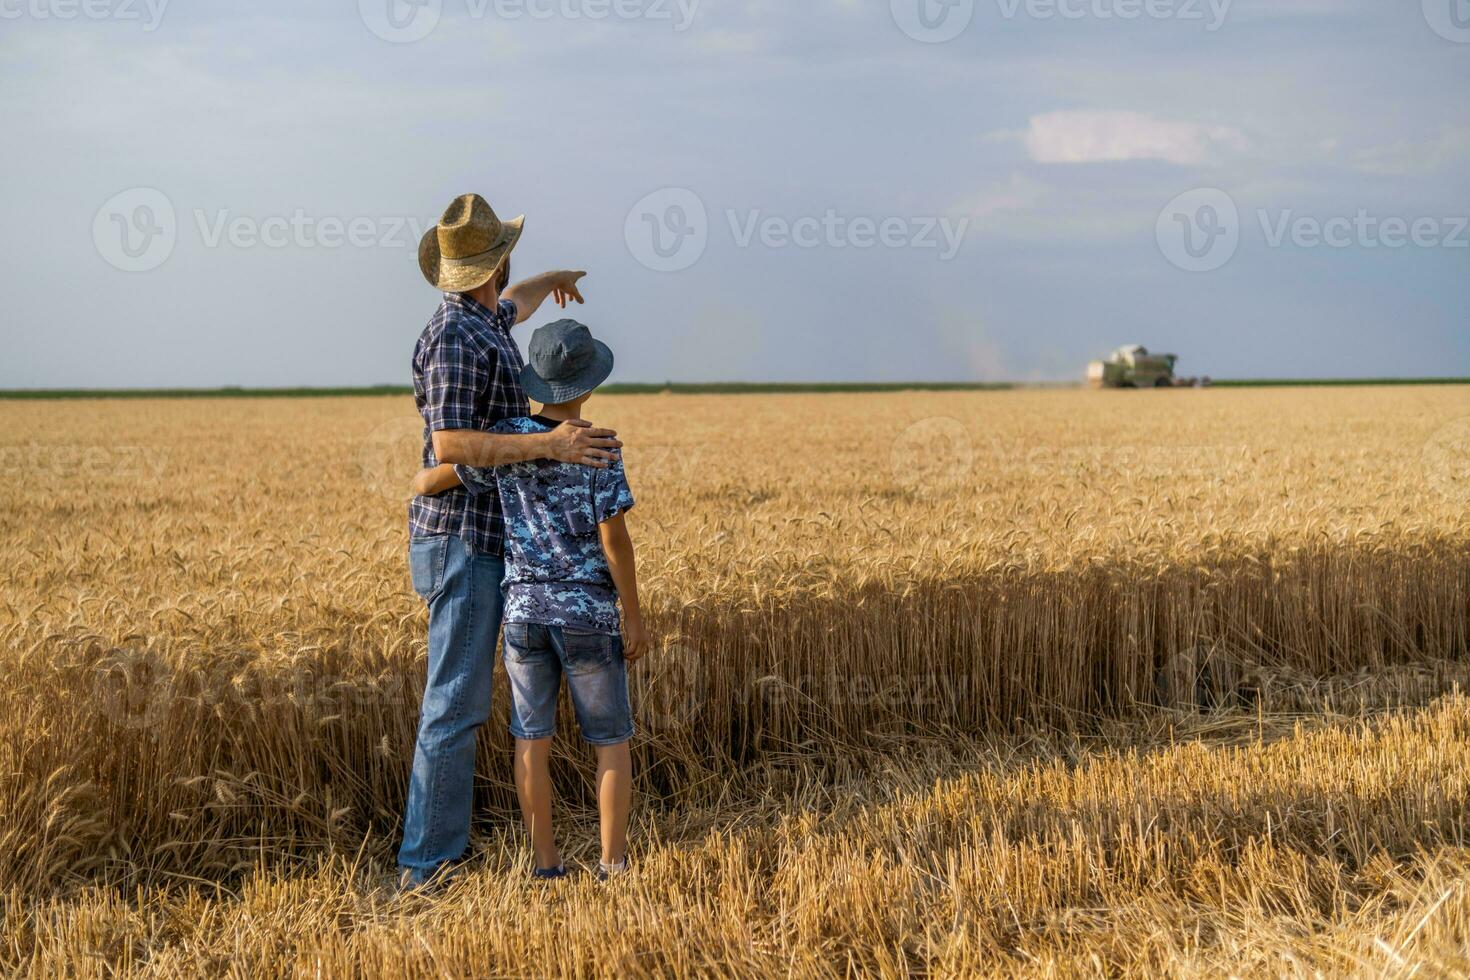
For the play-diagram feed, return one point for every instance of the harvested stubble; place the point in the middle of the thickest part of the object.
(215, 657)
(1326, 847)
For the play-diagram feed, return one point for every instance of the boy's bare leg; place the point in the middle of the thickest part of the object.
(533, 787)
(614, 795)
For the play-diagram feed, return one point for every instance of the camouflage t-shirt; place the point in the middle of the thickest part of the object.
(555, 571)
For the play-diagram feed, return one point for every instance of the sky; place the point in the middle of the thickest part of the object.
(231, 193)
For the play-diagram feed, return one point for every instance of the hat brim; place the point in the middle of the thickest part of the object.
(569, 389)
(461, 277)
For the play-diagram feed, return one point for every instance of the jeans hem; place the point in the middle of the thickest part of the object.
(605, 742)
(420, 876)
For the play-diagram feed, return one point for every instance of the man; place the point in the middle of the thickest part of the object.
(466, 377)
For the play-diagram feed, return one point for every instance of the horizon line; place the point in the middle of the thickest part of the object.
(686, 387)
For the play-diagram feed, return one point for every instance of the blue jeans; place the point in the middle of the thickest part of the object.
(462, 589)
(536, 658)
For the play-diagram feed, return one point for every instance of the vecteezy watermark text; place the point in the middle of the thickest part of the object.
(406, 21)
(86, 464)
(1210, 13)
(136, 230)
(148, 13)
(302, 230)
(1364, 229)
(937, 21)
(832, 230)
(669, 229)
(1201, 230)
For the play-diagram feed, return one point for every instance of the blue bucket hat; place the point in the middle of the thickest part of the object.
(566, 363)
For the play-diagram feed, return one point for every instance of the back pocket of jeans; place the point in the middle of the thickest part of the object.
(586, 651)
(426, 558)
(517, 645)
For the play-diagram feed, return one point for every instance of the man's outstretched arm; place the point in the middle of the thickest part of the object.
(571, 442)
(529, 294)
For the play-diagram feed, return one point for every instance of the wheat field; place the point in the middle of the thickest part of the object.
(1043, 682)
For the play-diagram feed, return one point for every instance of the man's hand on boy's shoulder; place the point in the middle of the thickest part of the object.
(578, 441)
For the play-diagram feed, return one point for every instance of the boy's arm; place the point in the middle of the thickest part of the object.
(618, 547)
(529, 294)
(435, 480)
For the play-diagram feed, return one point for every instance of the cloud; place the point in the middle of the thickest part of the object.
(1097, 136)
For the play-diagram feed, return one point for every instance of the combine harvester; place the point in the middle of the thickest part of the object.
(1134, 367)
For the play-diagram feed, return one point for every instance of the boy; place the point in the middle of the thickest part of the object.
(569, 560)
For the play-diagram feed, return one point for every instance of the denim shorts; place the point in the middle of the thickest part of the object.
(537, 656)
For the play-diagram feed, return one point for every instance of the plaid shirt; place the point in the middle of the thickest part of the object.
(466, 375)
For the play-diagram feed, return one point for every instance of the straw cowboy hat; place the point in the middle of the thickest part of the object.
(465, 248)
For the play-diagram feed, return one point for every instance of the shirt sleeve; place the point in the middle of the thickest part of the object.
(476, 479)
(505, 314)
(481, 479)
(455, 374)
(611, 495)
